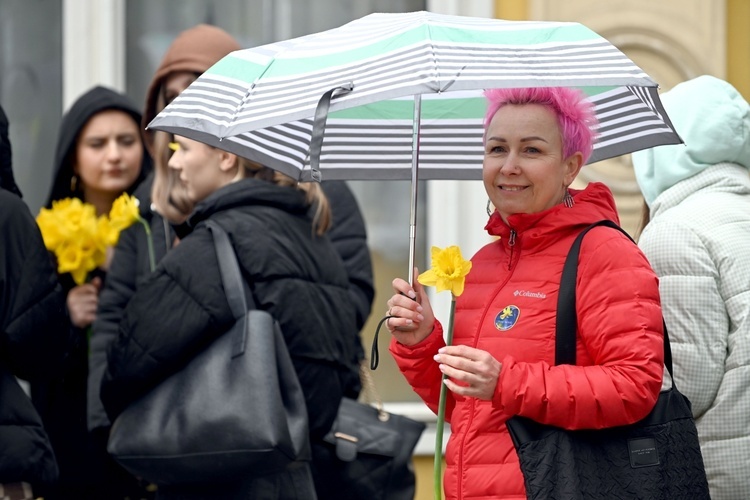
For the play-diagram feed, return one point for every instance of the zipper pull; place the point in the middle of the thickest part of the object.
(512, 238)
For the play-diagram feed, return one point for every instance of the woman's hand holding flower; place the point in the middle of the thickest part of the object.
(469, 371)
(82, 302)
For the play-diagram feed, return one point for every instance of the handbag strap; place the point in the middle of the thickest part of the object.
(234, 286)
(566, 327)
(370, 392)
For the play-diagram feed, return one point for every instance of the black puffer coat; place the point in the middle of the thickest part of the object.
(32, 303)
(61, 402)
(296, 276)
(130, 268)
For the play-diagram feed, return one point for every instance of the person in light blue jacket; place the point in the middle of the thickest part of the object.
(698, 242)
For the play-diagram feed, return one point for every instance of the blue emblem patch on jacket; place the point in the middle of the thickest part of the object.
(507, 318)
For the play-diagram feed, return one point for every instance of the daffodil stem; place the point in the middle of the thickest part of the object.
(149, 243)
(438, 475)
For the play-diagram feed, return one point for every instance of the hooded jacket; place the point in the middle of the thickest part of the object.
(697, 242)
(62, 402)
(194, 50)
(293, 274)
(508, 309)
(92, 102)
(31, 305)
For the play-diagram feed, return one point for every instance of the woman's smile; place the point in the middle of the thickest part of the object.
(512, 188)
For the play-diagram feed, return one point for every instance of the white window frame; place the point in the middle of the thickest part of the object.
(93, 46)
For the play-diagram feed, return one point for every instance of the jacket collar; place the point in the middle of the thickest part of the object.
(247, 192)
(538, 230)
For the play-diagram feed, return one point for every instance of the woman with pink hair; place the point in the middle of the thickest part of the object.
(502, 359)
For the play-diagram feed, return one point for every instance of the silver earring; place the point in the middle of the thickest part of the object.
(489, 211)
(568, 199)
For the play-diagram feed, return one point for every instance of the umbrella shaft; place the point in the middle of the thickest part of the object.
(414, 184)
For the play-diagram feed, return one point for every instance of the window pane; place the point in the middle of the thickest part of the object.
(151, 27)
(31, 90)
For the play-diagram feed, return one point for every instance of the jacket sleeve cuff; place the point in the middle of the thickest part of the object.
(428, 346)
(500, 398)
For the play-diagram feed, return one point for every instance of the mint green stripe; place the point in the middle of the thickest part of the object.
(245, 71)
(445, 108)
(591, 91)
(529, 37)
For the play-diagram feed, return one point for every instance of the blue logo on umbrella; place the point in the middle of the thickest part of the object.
(507, 318)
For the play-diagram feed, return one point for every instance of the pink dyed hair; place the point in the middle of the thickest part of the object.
(575, 113)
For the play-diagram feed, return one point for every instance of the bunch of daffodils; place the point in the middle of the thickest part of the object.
(78, 238)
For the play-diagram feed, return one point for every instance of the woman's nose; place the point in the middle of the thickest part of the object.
(510, 164)
(172, 163)
(114, 150)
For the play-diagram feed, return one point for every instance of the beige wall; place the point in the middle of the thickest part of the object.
(672, 40)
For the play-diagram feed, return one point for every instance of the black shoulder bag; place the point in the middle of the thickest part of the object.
(657, 458)
(368, 451)
(235, 410)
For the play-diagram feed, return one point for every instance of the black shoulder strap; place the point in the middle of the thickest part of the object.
(239, 296)
(566, 328)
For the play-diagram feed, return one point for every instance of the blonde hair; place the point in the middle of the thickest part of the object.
(314, 194)
(167, 192)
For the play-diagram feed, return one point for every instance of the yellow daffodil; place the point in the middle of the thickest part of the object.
(69, 258)
(54, 232)
(124, 212)
(106, 233)
(449, 270)
(74, 214)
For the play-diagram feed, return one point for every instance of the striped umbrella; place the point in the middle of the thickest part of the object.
(375, 141)
(398, 96)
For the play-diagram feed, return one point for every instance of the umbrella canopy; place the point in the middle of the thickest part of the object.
(375, 141)
(386, 59)
(271, 103)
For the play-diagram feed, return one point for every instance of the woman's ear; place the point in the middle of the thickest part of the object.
(228, 162)
(572, 166)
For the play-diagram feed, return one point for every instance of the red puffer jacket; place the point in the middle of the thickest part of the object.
(508, 309)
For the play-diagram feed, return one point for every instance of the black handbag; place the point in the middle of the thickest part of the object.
(368, 452)
(235, 410)
(656, 458)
